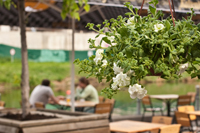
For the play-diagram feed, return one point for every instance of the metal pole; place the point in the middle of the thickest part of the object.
(197, 97)
(138, 106)
(12, 58)
(72, 68)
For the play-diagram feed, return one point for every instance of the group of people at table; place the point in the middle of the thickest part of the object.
(44, 94)
(184, 115)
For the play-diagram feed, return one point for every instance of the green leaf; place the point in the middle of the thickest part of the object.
(105, 39)
(87, 7)
(167, 24)
(152, 10)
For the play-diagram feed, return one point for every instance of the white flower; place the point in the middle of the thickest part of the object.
(158, 27)
(114, 86)
(121, 80)
(136, 91)
(130, 21)
(182, 68)
(117, 69)
(130, 72)
(105, 63)
(98, 56)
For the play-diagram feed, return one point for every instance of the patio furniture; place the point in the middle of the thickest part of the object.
(101, 99)
(184, 119)
(112, 101)
(184, 100)
(128, 126)
(193, 97)
(161, 120)
(103, 108)
(170, 129)
(189, 108)
(168, 99)
(39, 105)
(77, 103)
(148, 107)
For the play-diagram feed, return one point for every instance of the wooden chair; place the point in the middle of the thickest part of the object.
(148, 107)
(184, 119)
(112, 101)
(101, 99)
(161, 120)
(193, 97)
(188, 108)
(39, 105)
(2, 104)
(183, 100)
(103, 108)
(170, 129)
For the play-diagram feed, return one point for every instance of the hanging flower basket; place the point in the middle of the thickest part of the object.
(143, 46)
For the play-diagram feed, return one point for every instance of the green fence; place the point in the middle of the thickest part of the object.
(44, 55)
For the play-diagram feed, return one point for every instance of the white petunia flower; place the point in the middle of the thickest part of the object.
(114, 86)
(158, 27)
(105, 63)
(182, 68)
(136, 91)
(117, 69)
(98, 56)
(130, 21)
(122, 80)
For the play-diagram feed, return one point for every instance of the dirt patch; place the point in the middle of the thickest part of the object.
(29, 117)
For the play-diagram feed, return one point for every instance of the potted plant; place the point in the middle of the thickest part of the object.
(143, 46)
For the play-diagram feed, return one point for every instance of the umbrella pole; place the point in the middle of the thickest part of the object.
(72, 68)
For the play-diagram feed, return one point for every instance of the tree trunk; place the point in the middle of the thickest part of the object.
(25, 72)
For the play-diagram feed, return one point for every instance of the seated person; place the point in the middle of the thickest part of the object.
(87, 92)
(42, 93)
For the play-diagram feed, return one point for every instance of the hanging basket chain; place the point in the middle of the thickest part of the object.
(172, 13)
(173, 9)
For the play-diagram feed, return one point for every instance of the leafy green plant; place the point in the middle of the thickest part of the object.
(143, 46)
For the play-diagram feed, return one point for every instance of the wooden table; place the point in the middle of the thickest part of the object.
(128, 126)
(168, 99)
(197, 113)
(78, 103)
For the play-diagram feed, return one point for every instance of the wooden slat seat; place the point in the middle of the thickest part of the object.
(170, 129)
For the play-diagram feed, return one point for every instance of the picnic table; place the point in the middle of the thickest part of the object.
(128, 126)
(78, 103)
(168, 99)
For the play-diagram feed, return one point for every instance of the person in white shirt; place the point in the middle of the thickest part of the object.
(42, 93)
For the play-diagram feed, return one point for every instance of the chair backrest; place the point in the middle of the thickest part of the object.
(2, 104)
(193, 96)
(112, 101)
(146, 101)
(184, 100)
(39, 105)
(101, 99)
(162, 120)
(170, 129)
(103, 108)
(188, 108)
(183, 119)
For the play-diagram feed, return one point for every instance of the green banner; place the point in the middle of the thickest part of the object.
(45, 55)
